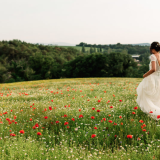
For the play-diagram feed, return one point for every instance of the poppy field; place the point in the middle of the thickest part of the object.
(80, 118)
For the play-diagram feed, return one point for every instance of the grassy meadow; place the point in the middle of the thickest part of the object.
(80, 118)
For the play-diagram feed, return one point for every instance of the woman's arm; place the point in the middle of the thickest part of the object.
(152, 70)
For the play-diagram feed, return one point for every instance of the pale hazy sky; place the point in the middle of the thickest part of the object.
(74, 21)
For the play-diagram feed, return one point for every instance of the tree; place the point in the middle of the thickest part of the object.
(83, 49)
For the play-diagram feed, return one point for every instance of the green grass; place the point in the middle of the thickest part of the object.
(27, 103)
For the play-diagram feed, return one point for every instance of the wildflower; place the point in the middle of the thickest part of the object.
(129, 136)
(120, 100)
(66, 123)
(79, 110)
(93, 108)
(104, 119)
(158, 116)
(39, 133)
(141, 121)
(109, 115)
(36, 125)
(111, 106)
(95, 128)
(110, 121)
(21, 131)
(99, 100)
(93, 135)
(92, 117)
(12, 134)
(120, 116)
(136, 107)
(121, 123)
(45, 117)
(98, 110)
(57, 121)
(50, 108)
(73, 119)
(81, 116)
(30, 119)
(65, 115)
(133, 113)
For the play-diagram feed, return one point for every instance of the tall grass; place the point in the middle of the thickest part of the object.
(81, 118)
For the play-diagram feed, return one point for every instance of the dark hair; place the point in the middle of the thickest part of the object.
(156, 46)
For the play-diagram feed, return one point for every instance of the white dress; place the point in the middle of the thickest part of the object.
(148, 91)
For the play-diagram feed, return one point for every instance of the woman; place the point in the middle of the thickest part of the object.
(148, 91)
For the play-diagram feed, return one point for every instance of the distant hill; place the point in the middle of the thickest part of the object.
(69, 44)
(59, 44)
(142, 44)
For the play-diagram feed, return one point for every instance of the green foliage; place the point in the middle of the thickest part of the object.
(21, 61)
(100, 65)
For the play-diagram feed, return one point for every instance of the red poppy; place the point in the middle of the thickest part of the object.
(50, 108)
(133, 113)
(141, 121)
(95, 128)
(158, 116)
(144, 130)
(151, 112)
(7, 119)
(12, 134)
(115, 136)
(120, 116)
(120, 100)
(34, 127)
(81, 116)
(73, 119)
(45, 117)
(115, 123)
(93, 135)
(129, 136)
(135, 107)
(57, 121)
(65, 115)
(79, 110)
(93, 108)
(109, 115)
(110, 121)
(111, 106)
(99, 100)
(66, 123)
(67, 126)
(92, 117)
(21, 131)
(104, 119)
(39, 133)
(98, 110)
(30, 119)
(121, 123)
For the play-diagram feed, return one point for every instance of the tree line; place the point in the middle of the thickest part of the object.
(128, 48)
(22, 61)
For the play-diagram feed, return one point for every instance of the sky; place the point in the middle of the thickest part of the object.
(75, 21)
